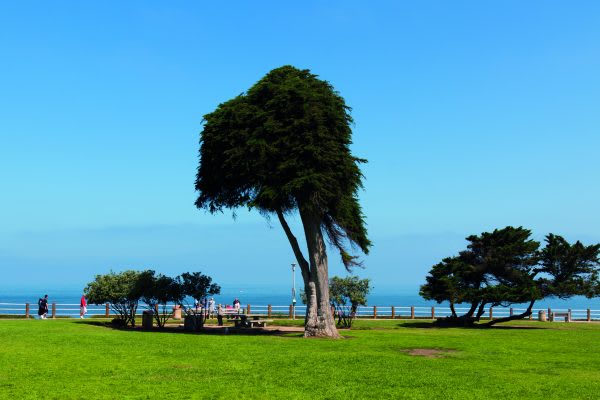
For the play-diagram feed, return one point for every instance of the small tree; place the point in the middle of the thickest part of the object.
(120, 290)
(195, 287)
(157, 291)
(346, 294)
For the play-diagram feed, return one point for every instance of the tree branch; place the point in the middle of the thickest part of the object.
(523, 315)
(304, 266)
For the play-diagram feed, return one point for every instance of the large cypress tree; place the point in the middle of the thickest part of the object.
(284, 147)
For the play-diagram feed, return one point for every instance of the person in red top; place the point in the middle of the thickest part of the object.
(82, 306)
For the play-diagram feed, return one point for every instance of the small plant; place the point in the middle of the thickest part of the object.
(347, 294)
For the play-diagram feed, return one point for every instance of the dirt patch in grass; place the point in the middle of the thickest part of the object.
(428, 353)
(183, 366)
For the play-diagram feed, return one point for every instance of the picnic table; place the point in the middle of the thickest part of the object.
(250, 321)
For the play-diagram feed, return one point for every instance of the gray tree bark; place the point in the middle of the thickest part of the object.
(319, 321)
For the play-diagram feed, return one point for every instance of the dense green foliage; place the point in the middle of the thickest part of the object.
(157, 291)
(62, 359)
(282, 146)
(195, 287)
(346, 294)
(121, 290)
(124, 291)
(506, 267)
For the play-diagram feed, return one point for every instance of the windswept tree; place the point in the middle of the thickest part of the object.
(284, 147)
(506, 267)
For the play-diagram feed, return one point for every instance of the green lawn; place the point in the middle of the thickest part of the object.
(71, 359)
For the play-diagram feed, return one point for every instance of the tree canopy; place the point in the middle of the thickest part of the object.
(120, 290)
(507, 267)
(285, 145)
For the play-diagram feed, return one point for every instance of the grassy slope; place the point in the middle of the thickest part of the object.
(65, 359)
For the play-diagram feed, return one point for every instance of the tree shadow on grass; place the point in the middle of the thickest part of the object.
(433, 325)
(207, 330)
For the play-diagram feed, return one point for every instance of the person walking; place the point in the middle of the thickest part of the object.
(236, 305)
(220, 315)
(211, 308)
(82, 307)
(205, 307)
(43, 307)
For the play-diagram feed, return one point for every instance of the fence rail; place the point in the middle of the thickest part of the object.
(57, 310)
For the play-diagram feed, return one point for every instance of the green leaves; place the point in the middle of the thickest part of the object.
(125, 289)
(284, 145)
(346, 294)
(506, 266)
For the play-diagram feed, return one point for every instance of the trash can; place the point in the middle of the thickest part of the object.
(193, 323)
(177, 312)
(542, 315)
(147, 319)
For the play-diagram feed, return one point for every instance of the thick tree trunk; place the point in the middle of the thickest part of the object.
(453, 310)
(471, 311)
(319, 320)
(480, 311)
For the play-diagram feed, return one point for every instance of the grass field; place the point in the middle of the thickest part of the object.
(71, 359)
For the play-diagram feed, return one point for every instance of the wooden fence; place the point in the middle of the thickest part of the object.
(368, 312)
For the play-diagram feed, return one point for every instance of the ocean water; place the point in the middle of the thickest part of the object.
(263, 295)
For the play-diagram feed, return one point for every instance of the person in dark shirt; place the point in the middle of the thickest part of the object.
(43, 307)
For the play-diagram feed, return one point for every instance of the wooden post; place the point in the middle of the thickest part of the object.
(156, 308)
(26, 310)
(291, 311)
(432, 312)
(107, 311)
(53, 310)
(393, 312)
(491, 313)
(269, 310)
(412, 312)
(589, 315)
(374, 312)
(248, 309)
(511, 311)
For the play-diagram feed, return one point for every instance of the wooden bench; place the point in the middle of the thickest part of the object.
(566, 315)
(259, 323)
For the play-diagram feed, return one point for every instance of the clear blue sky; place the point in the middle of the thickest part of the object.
(473, 115)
